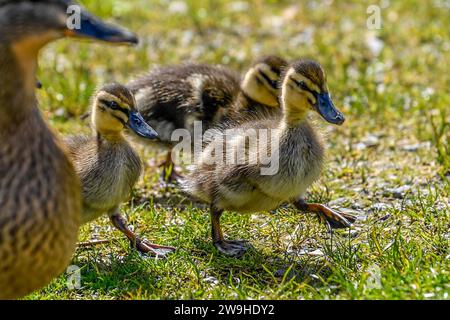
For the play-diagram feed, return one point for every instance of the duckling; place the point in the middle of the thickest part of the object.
(241, 185)
(175, 97)
(40, 197)
(107, 165)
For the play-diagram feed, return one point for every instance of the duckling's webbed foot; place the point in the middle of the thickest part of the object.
(142, 246)
(228, 247)
(232, 248)
(335, 219)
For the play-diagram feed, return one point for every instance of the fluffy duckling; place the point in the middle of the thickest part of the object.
(174, 97)
(240, 185)
(107, 165)
(40, 198)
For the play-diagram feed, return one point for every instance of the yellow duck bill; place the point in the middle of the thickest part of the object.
(138, 125)
(325, 107)
(91, 26)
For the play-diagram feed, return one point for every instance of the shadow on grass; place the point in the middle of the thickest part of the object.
(257, 266)
(117, 274)
(168, 196)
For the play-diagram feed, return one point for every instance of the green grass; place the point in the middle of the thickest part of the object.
(396, 135)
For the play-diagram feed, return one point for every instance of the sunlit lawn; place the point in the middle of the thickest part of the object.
(389, 162)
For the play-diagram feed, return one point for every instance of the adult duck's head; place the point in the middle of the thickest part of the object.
(27, 25)
(304, 88)
(37, 22)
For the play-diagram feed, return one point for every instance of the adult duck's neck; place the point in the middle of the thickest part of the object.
(17, 86)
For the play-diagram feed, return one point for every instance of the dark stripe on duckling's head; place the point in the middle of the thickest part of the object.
(117, 101)
(270, 69)
(115, 110)
(113, 105)
(305, 86)
(275, 63)
(261, 82)
(271, 82)
(313, 71)
(121, 92)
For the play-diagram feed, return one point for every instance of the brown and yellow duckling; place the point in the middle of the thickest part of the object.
(107, 165)
(241, 186)
(40, 198)
(174, 97)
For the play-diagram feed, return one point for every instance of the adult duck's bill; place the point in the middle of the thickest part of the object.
(327, 110)
(138, 125)
(91, 26)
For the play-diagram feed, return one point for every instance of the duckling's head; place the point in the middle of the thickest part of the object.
(114, 110)
(261, 80)
(304, 88)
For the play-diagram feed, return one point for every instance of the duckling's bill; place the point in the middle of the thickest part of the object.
(138, 125)
(92, 27)
(325, 107)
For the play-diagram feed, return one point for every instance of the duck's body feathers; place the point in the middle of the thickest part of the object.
(40, 207)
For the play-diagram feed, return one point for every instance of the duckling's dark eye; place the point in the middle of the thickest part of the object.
(110, 104)
(302, 85)
(272, 83)
(113, 105)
